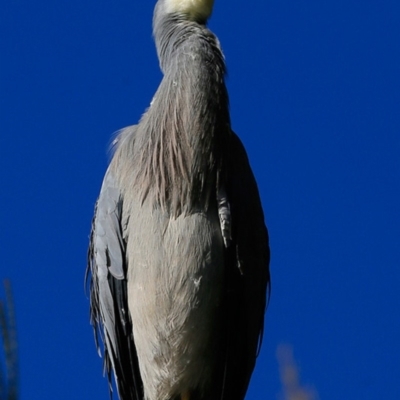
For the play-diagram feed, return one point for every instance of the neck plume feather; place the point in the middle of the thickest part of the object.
(178, 147)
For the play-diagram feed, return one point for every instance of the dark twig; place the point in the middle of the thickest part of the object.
(9, 378)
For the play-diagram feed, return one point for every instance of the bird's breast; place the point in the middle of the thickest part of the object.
(175, 288)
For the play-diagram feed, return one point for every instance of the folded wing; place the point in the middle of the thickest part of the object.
(248, 277)
(109, 313)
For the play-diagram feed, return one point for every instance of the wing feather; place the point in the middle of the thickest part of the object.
(106, 272)
(248, 277)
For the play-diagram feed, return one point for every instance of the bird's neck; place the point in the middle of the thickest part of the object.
(194, 74)
(175, 34)
(181, 137)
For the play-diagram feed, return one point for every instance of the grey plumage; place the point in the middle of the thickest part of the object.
(179, 254)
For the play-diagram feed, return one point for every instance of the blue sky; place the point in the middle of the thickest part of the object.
(315, 96)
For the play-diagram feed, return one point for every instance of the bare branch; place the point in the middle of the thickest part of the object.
(9, 378)
(290, 376)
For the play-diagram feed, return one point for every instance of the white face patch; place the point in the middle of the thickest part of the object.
(193, 8)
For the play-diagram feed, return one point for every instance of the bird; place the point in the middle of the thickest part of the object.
(178, 260)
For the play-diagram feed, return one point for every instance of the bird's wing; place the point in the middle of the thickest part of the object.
(108, 292)
(248, 277)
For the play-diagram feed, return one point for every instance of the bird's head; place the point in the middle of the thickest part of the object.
(194, 10)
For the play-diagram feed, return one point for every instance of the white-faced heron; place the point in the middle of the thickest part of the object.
(178, 259)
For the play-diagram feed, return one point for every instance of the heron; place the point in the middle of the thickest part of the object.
(178, 260)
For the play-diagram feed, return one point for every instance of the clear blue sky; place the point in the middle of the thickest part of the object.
(315, 96)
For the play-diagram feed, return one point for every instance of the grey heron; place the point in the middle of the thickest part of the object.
(178, 260)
